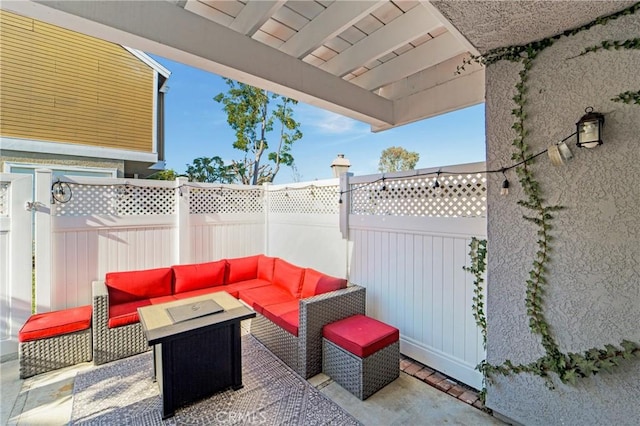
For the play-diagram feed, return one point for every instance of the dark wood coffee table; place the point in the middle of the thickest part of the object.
(196, 358)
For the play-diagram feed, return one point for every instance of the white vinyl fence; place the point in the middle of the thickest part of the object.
(410, 242)
(395, 234)
(109, 225)
(15, 258)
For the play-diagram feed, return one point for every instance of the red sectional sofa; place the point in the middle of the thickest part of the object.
(292, 304)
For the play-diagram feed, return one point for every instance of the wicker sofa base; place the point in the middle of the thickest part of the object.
(361, 376)
(281, 343)
(40, 356)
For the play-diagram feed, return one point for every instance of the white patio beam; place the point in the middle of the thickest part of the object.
(339, 16)
(402, 30)
(210, 13)
(424, 56)
(254, 14)
(196, 41)
(461, 92)
(450, 27)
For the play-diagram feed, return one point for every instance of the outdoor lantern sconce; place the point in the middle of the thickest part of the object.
(589, 129)
(340, 165)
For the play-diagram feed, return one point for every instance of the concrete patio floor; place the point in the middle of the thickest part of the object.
(46, 399)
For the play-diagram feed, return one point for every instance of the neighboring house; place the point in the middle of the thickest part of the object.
(77, 104)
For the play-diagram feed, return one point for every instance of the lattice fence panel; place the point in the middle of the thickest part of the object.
(4, 199)
(307, 200)
(225, 200)
(120, 200)
(457, 196)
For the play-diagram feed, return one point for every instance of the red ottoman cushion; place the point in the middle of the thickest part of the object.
(51, 324)
(361, 335)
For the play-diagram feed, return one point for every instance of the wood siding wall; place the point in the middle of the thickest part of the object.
(62, 86)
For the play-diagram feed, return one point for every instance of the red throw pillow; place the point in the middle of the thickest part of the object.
(288, 276)
(130, 286)
(199, 275)
(242, 269)
(317, 283)
(265, 267)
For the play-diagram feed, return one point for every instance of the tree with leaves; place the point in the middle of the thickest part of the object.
(252, 115)
(396, 159)
(168, 174)
(210, 169)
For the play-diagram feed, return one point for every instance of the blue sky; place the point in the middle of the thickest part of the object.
(196, 126)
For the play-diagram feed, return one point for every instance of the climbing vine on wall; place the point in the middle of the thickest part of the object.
(567, 366)
(628, 97)
(478, 256)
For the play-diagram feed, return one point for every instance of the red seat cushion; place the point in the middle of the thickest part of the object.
(162, 299)
(199, 275)
(195, 293)
(278, 309)
(51, 324)
(233, 289)
(288, 322)
(315, 282)
(125, 313)
(361, 335)
(260, 297)
(265, 267)
(288, 277)
(242, 269)
(286, 315)
(130, 286)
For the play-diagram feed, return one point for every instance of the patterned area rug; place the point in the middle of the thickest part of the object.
(124, 393)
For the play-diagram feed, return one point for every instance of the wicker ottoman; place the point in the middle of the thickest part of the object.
(361, 354)
(54, 340)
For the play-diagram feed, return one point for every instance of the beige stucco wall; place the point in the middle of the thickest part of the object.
(593, 294)
(61, 160)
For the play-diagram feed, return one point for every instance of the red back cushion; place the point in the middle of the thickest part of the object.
(198, 276)
(317, 283)
(288, 276)
(242, 269)
(265, 268)
(130, 286)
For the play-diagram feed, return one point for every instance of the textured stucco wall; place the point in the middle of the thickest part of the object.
(593, 294)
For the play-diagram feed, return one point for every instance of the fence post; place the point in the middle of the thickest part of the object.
(43, 240)
(183, 231)
(345, 204)
(267, 208)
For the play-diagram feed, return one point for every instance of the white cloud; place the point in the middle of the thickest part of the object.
(327, 122)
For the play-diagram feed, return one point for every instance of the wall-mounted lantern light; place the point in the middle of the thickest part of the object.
(590, 129)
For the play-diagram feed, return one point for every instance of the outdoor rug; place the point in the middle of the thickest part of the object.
(124, 393)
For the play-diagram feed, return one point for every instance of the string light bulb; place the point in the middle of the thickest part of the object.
(384, 185)
(436, 184)
(505, 184)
